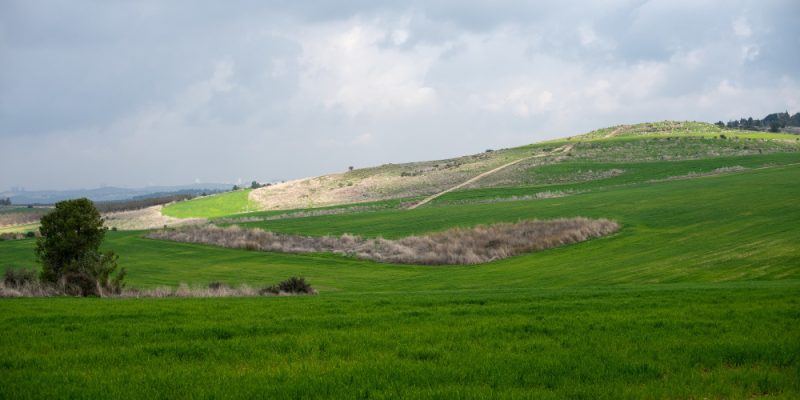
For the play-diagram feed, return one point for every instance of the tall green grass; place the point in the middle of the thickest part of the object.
(718, 341)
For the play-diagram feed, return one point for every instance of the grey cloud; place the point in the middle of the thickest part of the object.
(151, 92)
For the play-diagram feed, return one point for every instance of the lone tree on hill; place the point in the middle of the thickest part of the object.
(69, 250)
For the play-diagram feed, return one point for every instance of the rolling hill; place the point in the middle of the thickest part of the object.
(609, 150)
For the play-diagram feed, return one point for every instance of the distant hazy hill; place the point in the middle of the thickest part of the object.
(107, 193)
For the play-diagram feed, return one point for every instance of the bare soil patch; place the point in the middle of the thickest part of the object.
(146, 218)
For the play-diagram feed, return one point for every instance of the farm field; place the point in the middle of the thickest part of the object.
(668, 341)
(695, 297)
(211, 206)
(19, 228)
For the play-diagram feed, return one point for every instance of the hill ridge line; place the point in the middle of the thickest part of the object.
(564, 148)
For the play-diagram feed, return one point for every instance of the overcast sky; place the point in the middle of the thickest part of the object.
(135, 93)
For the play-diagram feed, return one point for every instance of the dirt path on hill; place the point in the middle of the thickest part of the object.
(614, 132)
(563, 149)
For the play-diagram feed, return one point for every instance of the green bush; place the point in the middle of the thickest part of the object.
(292, 285)
(92, 274)
(70, 231)
(69, 251)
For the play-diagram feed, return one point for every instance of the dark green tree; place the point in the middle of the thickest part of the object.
(69, 250)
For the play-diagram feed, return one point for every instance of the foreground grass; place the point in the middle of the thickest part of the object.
(216, 205)
(719, 341)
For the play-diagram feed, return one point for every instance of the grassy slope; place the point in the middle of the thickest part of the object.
(565, 176)
(636, 143)
(676, 129)
(211, 206)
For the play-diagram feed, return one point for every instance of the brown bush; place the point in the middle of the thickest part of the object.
(476, 245)
(43, 289)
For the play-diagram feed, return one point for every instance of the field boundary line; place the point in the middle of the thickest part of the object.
(562, 149)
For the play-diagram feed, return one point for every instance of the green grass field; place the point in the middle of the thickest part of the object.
(216, 205)
(715, 341)
(696, 297)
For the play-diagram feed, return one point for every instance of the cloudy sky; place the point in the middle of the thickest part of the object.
(135, 93)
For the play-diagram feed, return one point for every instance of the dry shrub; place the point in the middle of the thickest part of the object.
(25, 283)
(39, 289)
(14, 278)
(217, 289)
(475, 245)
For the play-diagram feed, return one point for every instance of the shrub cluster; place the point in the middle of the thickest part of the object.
(293, 285)
(17, 278)
(138, 204)
(90, 275)
(18, 235)
(475, 245)
(26, 283)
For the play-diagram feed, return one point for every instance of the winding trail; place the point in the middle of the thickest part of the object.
(563, 149)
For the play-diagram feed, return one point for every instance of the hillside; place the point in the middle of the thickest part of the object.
(519, 167)
(650, 142)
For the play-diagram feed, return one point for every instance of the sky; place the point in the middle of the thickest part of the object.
(137, 93)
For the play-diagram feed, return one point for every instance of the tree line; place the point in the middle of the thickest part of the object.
(772, 122)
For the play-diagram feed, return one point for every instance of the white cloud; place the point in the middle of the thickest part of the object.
(399, 36)
(589, 38)
(349, 66)
(202, 92)
(741, 27)
(363, 138)
(726, 88)
(750, 52)
(691, 59)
